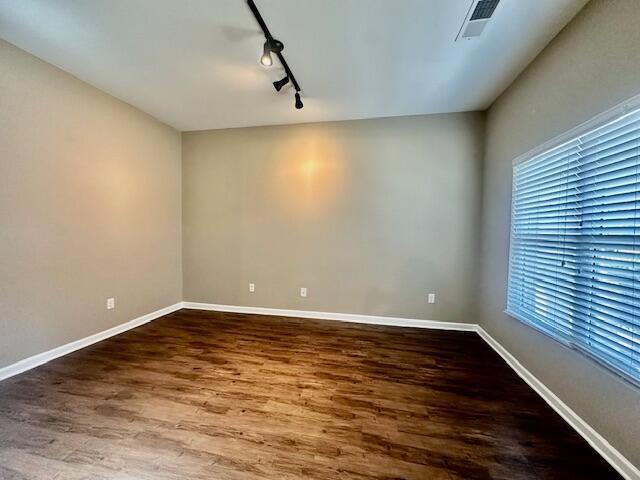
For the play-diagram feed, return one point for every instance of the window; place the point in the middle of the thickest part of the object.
(574, 267)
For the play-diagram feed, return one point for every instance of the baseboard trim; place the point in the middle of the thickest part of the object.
(342, 317)
(623, 466)
(42, 358)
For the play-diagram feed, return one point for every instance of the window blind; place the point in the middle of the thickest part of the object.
(575, 244)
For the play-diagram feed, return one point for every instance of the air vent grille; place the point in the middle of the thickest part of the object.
(484, 9)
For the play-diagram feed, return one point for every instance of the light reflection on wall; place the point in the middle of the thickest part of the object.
(309, 173)
(114, 187)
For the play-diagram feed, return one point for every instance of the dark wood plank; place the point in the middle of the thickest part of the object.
(204, 395)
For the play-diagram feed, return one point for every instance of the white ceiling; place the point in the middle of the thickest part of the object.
(194, 63)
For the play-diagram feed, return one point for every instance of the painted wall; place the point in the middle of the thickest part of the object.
(368, 215)
(90, 208)
(592, 65)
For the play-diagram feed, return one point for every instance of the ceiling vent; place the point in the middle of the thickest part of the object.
(477, 18)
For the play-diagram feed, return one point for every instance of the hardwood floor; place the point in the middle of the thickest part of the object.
(204, 395)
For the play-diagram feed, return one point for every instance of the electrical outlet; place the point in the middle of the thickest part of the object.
(303, 291)
(252, 287)
(431, 298)
(111, 303)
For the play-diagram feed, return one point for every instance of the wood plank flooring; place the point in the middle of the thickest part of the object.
(204, 395)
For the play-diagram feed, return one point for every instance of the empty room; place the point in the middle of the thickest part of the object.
(319, 239)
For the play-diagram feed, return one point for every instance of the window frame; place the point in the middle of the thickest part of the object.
(600, 120)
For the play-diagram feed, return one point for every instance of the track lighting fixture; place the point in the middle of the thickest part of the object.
(266, 59)
(275, 47)
(280, 83)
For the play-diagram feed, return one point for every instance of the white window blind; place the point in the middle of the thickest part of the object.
(575, 244)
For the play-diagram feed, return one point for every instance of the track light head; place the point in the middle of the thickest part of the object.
(280, 83)
(270, 46)
(299, 104)
(266, 59)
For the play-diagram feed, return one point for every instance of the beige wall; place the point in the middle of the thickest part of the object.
(591, 66)
(90, 207)
(368, 215)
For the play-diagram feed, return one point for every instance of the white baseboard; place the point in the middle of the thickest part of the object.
(342, 317)
(41, 358)
(623, 466)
